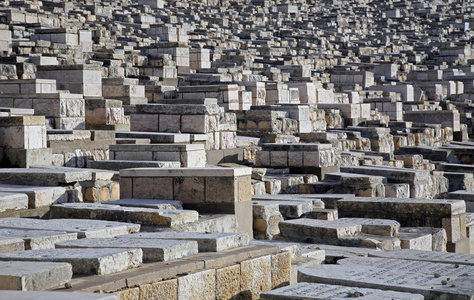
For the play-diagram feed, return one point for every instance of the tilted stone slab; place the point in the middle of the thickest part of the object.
(317, 291)
(317, 203)
(145, 216)
(33, 276)
(9, 244)
(428, 256)
(367, 276)
(56, 296)
(153, 250)
(85, 261)
(38, 196)
(38, 239)
(44, 176)
(207, 242)
(12, 201)
(317, 231)
(289, 209)
(147, 203)
(83, 228)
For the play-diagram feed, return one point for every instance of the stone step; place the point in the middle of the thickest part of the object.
(146, 216)
(37, 195)
(117, 165)
(156, 137)
(86, 261)
(32, 276)
(40, 295)
(83, 228)
(305, 291)
(38, 239)
(153, 250)
(207, 242)
(13, 201)
(147, 203)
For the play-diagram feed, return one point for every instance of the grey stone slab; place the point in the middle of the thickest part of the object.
(306, 291)
(383, 227)
(53, 176)
(368, 276)
(156, 137)
(10, 244)
(12, 201)
(428, 256)
(33, 276)
(148, 203)
(83, 228)
(145, 216)
(153, 249)
(289, 209)
(317, 202)
(38, 239)
(56, 296)
(37, 195)
(207, 242)
(85, 261)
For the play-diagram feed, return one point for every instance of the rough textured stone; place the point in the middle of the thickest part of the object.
(197, 286)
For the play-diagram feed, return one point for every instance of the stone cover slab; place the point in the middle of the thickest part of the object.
(32, 276)
(8, 244)
(148, 203)
(153, 249)
(53, 176)
(85, 261)
(207, 242)
(307, 291)
(38, 239)
(145, 216)
(12, 201)
(428, 256)
(38, 195)
(83, 228)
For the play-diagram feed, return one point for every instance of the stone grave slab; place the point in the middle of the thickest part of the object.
(37, 195)
(148, 203)
(83, 228)
(33, 276)
(53, 176)
(145, 216)
(56, 296)
(38, 239)
(153, 249)
(428, 256)
(207, 242)
(85, 261)
(307, 291)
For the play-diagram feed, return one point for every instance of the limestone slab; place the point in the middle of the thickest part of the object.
(38, 239)
(207, 242)
(38, 196)
(83, 228)
(33, 276)
(153, 249)
(11, 201)
(9, 244)
(85, 261)
(306, 291)
(148, 203)
(428, 256)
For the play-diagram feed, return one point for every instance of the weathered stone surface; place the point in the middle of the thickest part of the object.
(10, 201)
(167, 289)
(200, 285)
(33, 276)
(8, 244)
(38, 239)
(84, 261)
(56, 296)
(228, 282)
(256, 276)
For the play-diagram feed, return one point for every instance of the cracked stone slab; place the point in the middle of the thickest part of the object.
(33, 276)
(153, 250)
(85, 261)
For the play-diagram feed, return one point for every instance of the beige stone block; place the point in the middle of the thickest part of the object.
(221, 189)
(255, 276)
(198, 286)
(281, 269)
(130, 294)
(114, 191)
(153, 188)
(104, 194)
(170, 123)
(245, 188)
(90, 195)
(194, 124)
(189, 189)
(228, 282)
(160, 290)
